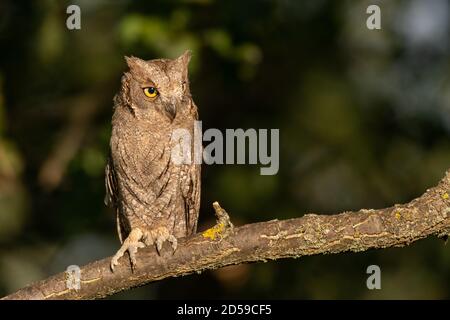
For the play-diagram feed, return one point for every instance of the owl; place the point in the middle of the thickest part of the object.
(155, 198)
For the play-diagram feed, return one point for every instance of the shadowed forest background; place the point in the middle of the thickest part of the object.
(364, 119)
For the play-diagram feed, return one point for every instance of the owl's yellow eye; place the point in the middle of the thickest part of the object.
(151, 92)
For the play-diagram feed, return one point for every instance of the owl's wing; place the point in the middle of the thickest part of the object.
(192, 198)
(111, 197)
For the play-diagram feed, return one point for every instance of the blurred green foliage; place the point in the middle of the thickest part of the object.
(364, 119)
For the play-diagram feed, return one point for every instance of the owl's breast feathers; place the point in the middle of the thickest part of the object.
(145, 186)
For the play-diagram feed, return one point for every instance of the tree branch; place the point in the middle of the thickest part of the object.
(224, 245)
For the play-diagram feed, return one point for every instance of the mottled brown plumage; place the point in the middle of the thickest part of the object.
(155, 199)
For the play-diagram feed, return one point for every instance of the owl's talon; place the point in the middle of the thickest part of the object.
(174, 242)
(158, 236)
(131, 244)
(159, 243)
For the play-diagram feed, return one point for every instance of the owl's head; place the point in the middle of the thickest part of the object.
(159, 85)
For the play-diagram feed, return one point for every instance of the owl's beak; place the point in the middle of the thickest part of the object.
(171, 110)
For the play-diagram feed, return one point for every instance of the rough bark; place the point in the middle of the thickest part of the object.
(224, 245)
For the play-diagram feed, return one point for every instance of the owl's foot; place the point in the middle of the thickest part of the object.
(131, 244)
(158, 236)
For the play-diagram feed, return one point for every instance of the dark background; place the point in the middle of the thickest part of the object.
(364, 119)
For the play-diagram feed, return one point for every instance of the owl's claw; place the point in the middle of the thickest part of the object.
(159, 243)
(158, 236)
(131, 244)
(173, 241)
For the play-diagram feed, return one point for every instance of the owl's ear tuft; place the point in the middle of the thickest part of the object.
(134, 63)
(184, 59)
(181, 64)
